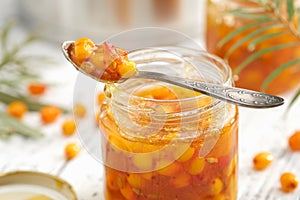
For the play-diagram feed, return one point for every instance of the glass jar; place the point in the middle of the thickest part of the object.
(160, 141)
(220, 23)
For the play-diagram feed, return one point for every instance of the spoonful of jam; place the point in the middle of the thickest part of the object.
(109, 64)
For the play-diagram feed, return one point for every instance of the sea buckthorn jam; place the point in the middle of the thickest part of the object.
(163, 142)
(105, 62)
(220, 23)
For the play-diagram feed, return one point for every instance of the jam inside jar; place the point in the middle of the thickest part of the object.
(220, 23)
(163, 142)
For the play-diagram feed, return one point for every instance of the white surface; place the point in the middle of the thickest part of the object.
(260, 130)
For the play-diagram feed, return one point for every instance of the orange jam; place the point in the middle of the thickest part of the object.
(220, 24)
(164, 142)
(104, 62)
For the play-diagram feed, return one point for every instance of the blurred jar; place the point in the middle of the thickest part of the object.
(220, 24)
(99, 19)
(160, 141)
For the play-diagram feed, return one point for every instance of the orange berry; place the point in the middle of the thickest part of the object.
(49, 114)
(100, 98)
(262, 160)
(181, 180)
(82, 49)
(168, 169)
(188, 154)
(79, 110)
(128, 192)
(294, 141)
(71, 150)
(142, 162)
(197, 166)
(17, 109)
(289, 182)
(216, 187)
(69, 127)
(37, 88)
(135, 180)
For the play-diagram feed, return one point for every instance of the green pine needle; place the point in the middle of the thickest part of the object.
(32, 104)
(263, 38)
(248, 15)
(277, 5)
(4, 34)
(294, 99)
(268, 14)
(258, 54)
(290, 9)
(277, 72)
(11, 125)
(238, 31)
(249, 36)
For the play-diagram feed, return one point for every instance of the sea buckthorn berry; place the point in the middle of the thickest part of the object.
(143, 162)
(165, 168)
(216, 186)
(79, 110)
(188, 154)
(181, 180)
(82, 49)
(135, 180)
(112, 181)
(294, 141)
(37, 88)
(148, 175)
(128, 192)
(17, 109)
(69, 127)
(71, 150)
(127, 69)
(219, 197)
(289, 182)
(197, 166)
(262, 160)
(100, 98)
(49, 114)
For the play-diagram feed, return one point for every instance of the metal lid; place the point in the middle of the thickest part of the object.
(30, 185)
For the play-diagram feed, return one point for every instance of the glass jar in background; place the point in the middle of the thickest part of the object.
(160, 141)
(220, 23)
(100, 19)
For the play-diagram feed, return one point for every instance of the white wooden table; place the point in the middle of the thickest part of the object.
(260, 130)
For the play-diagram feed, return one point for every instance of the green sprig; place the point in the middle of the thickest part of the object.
(16, 70)
(10, 125)
(270, 13)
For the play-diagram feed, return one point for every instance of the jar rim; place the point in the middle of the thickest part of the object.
(155, 113)
(226, 82)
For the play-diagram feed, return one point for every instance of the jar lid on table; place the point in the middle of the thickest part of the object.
(31, 185)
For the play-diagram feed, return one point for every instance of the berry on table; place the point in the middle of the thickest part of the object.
(262, 160)
(289, 182)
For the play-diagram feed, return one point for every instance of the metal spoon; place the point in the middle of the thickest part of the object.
(238, 96)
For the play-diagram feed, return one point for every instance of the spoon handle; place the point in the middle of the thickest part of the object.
(238, 96)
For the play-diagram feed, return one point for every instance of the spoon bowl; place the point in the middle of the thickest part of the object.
(234, 95)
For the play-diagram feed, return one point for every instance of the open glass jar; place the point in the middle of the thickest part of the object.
(221, 22)
(161, 141)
